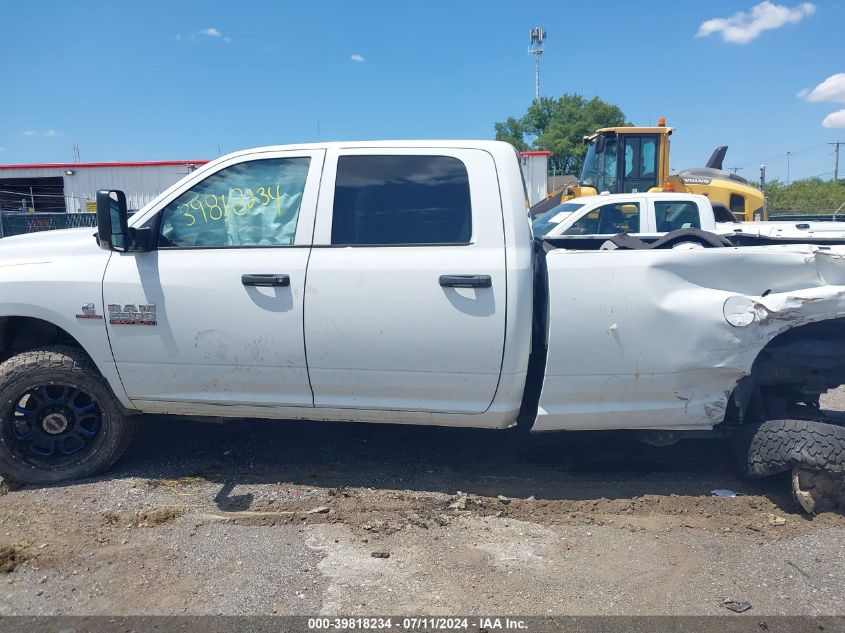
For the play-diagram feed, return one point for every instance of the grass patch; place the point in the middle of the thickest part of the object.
(177, 482)
(156, 516)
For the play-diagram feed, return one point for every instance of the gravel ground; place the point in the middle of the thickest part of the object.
(303, 518)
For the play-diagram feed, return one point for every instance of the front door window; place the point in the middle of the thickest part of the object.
(255, 203)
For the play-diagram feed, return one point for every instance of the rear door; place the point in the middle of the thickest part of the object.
(405, 292)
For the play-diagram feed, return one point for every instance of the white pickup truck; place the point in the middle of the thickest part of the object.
(399, 282)
(581, 221)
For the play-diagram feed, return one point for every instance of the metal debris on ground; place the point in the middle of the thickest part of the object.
(724, 492)
(737, 606)
(380, 554)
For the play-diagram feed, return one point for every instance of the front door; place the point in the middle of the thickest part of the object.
(638, 163)
(406, 293)
(214, 315)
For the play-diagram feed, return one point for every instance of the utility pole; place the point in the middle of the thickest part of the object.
(836, 164)
(736, 169)
(788, 154)
(535, 47)
(763, 178)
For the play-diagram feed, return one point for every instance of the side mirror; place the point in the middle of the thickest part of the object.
(112, 220)
(600, 141)
(113, 232)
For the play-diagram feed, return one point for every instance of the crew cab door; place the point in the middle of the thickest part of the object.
(405, 297)
(214, 314)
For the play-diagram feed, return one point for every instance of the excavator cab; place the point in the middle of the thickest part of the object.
(636, 159)
(625, 160)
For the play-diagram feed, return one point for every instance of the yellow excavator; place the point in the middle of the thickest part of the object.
(636, 159)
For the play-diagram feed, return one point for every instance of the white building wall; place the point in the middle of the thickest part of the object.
(535, 170)
(141, 183)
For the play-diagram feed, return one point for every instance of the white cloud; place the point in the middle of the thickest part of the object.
(835, 119)
(831, 89)
(211, 32)
(802, 93)
(745, 26)
(227, 39)
(29, 132)
(50, 132)
(357, 58)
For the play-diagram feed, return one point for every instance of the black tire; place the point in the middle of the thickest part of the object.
(64, 385)
(776, 446)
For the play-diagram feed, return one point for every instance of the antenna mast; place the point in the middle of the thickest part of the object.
(535, 47)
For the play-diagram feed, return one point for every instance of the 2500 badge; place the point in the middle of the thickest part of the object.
(131, 314)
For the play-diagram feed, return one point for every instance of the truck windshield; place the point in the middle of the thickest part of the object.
(545, 222)
(600, 167)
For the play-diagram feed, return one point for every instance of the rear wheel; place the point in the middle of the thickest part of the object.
(58, 418)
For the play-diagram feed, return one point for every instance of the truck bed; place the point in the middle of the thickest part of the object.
(737, 238)
(642, 338)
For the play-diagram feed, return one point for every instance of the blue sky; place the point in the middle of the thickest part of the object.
(186, 80)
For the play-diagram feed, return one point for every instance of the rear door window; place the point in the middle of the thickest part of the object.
(386, 200)
(676, 214)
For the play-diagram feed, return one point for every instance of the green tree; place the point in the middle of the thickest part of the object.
(811, 195)
(513, 132)
(559, 125)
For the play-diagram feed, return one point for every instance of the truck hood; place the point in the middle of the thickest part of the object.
(47, 246)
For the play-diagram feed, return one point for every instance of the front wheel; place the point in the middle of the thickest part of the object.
(58, 418)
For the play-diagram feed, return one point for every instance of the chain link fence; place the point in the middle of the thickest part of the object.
(812, 198)
(816, 208)
(20, 223)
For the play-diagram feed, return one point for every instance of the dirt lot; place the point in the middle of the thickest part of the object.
(305, 518)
